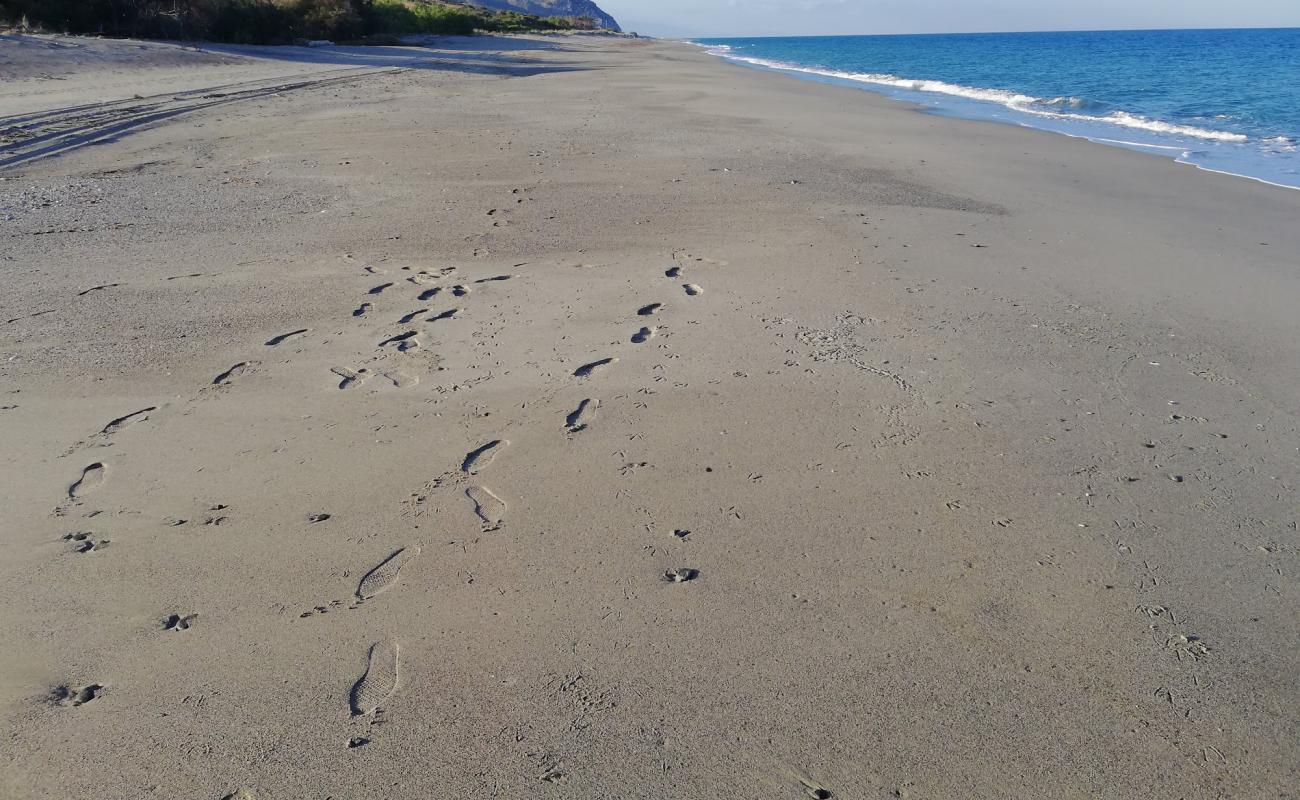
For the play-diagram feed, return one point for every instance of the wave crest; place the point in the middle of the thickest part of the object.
(1071, 108)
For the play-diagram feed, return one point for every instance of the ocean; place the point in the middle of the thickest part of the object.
(1223, 100)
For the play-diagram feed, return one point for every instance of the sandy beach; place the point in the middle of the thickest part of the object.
(589, 417)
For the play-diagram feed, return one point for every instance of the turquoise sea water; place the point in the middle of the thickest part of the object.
(1226, 100)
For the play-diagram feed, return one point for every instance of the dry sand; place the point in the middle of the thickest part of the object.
(592, 418)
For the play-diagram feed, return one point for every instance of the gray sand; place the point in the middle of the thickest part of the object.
(969, 472)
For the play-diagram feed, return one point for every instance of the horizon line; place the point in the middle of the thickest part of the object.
(989, 32)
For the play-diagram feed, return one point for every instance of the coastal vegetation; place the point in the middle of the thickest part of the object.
(275, 21)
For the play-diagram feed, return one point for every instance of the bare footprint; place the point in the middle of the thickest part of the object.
(643, 335)
(82, 543)
(404, 341)
(681, 574)
(481, 457)
(127, 421)
(400, 380)
(101, 287)
(409, 318)
(586, 370)
(75, 696)
(692, 290)
(379, 289)
(234, 372)
(350, 378)
(92, 477)
(653, 308)
(489, 508)
(379, 680)
(284, 337)
(179, 622)
(717, 262)
(362, 309)
(428, 294)
(460, 291)
(381, 578)
(673, 272)
(444, 315)
(581, 417)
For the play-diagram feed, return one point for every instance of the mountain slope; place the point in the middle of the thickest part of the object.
(553, 8)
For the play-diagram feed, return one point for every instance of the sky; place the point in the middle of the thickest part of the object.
(728, 18)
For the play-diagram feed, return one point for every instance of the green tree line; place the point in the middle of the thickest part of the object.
(272, 21)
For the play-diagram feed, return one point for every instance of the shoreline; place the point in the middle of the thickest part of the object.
(587, 417)
(999, 106)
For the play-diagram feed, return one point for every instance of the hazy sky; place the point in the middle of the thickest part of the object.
(813, 17)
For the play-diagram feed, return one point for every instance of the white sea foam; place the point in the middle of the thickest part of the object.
(1015, 101)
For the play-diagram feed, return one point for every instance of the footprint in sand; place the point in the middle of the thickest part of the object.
(362, 309)
(428, 294)
(400, 380)
(692, 290)
(816, 791)
(673, 272)
(489, 508)
(481, 457)
(75, 696)
(444, 315)
(717, 262)
(350, 378)
(409, 318)
(581, 417)
(587, 370)
(379, 289)
(127, 421)
(82, 543)
(237, 370)
(460, 291)
(284, 337)
(379, 680)
(381, 578)
(404, 341)
(494, 278)
(101, 287)
(643, 335)
(92, 477)
(681, 575)
(646, 311)
(179, 622)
